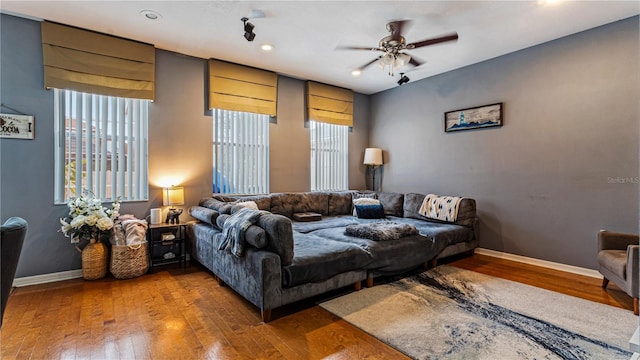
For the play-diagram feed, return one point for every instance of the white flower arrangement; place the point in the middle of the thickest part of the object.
(88, 218)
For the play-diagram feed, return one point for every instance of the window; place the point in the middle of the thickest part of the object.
(329, 156)
(101, 146)
(240, 152)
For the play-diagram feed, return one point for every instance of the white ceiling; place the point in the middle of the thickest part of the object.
(306, 33)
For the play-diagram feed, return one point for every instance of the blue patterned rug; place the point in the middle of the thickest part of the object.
(452, 313)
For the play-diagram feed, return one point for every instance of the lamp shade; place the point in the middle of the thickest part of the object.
(173, 196)
(372, 156)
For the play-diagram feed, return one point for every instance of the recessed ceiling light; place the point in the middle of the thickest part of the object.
(355, 73)
(266, 47)
(256, 14)
(151, 15)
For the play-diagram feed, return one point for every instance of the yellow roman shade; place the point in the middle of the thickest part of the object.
(88, 61)
(242, 88)
(329, 104)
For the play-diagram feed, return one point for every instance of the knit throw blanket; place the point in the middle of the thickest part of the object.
(234, 228)
(381, 231)
(443, 208)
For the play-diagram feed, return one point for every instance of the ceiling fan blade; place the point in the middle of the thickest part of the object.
(433, 41)
(358, 48)
(396, 28)
(368, 64)
(416, 61)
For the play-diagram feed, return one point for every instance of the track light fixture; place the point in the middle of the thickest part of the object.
(403, 79)
(248, 29)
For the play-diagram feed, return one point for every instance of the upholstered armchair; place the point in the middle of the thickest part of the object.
(618, 261)
(12, 236)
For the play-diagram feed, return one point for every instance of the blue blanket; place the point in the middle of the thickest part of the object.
(233, 230)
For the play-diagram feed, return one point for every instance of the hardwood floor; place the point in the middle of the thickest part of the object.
(585, 287)
(185, 314)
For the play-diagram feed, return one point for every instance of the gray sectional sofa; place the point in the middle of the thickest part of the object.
(284, 261)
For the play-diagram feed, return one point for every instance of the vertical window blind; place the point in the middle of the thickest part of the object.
(240, 152)
(329, 156)
(101, 146)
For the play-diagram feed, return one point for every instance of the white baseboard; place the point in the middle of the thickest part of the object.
(542, 263)
(74, 274)
(47, 278)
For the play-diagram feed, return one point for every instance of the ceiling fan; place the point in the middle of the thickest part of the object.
(393, 46)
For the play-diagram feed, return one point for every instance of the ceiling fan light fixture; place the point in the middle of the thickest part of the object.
(402, 59)
(356, 72)
(388, 59)
(393, 45)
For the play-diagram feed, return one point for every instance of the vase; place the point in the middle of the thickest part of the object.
(94, 261)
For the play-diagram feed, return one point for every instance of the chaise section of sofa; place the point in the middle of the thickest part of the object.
(286, 261)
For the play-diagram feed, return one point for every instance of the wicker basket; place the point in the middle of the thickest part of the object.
(94, 261)
(129, 261)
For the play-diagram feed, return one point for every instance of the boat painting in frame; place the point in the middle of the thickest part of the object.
(473, 118)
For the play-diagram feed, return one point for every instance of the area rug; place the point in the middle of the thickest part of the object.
(452, 313)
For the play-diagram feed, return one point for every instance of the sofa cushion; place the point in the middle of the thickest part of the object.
(340, 203)
(388, 256)
(364, 194)
(317, 259)
(214, 203)
(236, 206)
(224, 198)
(204, 214)
(325, 223)
(317, 202)
(614, 261)
(221, 219)
(374, 211)
(392, 203)
(262, 201)
(254, 236)
(445, 233)
(283, 203)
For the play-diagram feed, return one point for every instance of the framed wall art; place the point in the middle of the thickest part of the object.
(473, 118)
(16, 126)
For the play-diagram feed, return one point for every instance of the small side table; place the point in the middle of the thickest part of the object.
(167, 244)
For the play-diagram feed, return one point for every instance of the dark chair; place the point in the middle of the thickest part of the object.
(12, 236)
(618, 261)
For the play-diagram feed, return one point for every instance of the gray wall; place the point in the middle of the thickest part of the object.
(180, 143)
(291, 142)
(563, 166)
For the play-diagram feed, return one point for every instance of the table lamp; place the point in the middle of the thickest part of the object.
(172, 196)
